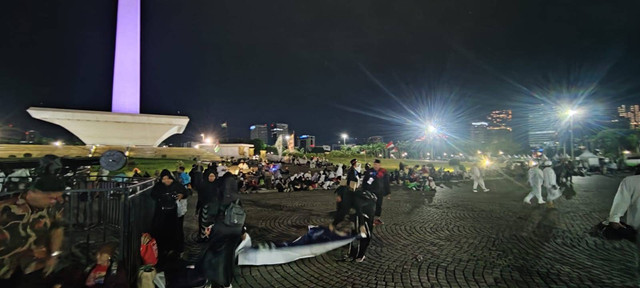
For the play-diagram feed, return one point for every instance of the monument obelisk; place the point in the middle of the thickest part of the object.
(124, 126)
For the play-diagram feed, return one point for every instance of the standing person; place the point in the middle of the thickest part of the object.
(207, 203)
(32, 230)
(364, 202)
(219, 260)
(166, 227)
(382, 188)
(339, 171)
(353, 175)
(345, 194)
(478, 178)
(549, 182)
(536, 178)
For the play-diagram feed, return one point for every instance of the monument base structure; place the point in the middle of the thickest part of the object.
(106, 128)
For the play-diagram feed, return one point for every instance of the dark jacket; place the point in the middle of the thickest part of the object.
(166, 195)
(352, 176)
(207, 191)
(377, 182)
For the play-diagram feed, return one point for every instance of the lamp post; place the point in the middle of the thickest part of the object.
(571, 113)
(431, 130)
(344, 138)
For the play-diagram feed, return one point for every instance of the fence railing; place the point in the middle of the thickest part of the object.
(101, 210)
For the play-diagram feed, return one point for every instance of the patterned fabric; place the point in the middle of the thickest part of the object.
(25, 234)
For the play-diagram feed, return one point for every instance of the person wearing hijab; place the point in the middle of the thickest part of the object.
(166, 228)
(207, 202)
(219, 260)
(478, 178)
(536, 178)
(549, 183)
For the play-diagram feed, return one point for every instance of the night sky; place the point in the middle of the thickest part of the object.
(319, 66)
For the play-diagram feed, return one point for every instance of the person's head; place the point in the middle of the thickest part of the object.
(353, 162)
(45, 192)
(210, 175)
(166, 178)
(376, 164)
(181, 169)
(104, 254)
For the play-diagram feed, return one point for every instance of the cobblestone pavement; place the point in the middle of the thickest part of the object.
(452, 238)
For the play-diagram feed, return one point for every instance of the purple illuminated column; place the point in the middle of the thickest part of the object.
(126, 65)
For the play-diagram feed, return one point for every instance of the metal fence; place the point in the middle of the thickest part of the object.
(101, 210)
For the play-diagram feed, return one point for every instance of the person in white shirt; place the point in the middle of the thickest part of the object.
(478, 178)
(549, 183)
(536, 179)
(339, 171)
(627, 200)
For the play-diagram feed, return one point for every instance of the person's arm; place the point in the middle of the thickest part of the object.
(55, 244)
(620, 203)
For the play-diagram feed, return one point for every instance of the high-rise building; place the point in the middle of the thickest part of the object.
(633, 114)
(542, 130)
(278, 129)
(500, 118)
(479, 132)
(307, 142)
(260, 132)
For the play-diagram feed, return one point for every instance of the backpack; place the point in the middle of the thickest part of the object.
(234, 215)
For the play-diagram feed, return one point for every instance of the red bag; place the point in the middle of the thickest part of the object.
(148, 250)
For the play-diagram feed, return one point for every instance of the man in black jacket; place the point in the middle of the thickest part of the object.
(381, 187)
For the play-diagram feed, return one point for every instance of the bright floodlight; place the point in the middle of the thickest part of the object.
(344, 135)
(572, 112)
(626, 152)
(208, 140)
(431, 129)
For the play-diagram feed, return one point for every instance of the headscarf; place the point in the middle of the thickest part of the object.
(166, 172)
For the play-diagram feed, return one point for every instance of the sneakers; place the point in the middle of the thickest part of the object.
(377, 222)
(526, 202)
(475, 190)
(542, 202)
(486, 190)
(360, 260)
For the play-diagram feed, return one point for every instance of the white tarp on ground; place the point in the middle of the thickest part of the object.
(272, 255)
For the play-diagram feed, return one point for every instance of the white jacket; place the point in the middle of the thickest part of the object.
(627, 201)
(476, 173)
(549, 177)
(535, 176)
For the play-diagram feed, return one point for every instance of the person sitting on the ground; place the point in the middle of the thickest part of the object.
(105, 272)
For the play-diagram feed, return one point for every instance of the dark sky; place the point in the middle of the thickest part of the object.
(303, 62)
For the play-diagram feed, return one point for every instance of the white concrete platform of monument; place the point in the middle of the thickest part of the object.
(106, 128)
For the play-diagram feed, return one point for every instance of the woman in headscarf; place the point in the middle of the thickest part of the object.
(219, 260)
(165, 219)
(208, 203)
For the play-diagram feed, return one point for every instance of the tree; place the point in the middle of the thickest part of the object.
(257, 146)
(612, 142)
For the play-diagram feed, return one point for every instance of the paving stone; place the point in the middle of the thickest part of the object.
(453, 238)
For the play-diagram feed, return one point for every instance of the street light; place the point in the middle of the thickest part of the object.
(431, 130)
(344, 138)
(571, 113)
(202, 135)
(208, 140)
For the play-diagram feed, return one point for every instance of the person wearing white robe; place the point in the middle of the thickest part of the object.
(627, 201)
(339, 171)
(478, 178)
(536, 178)
(549, 183)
